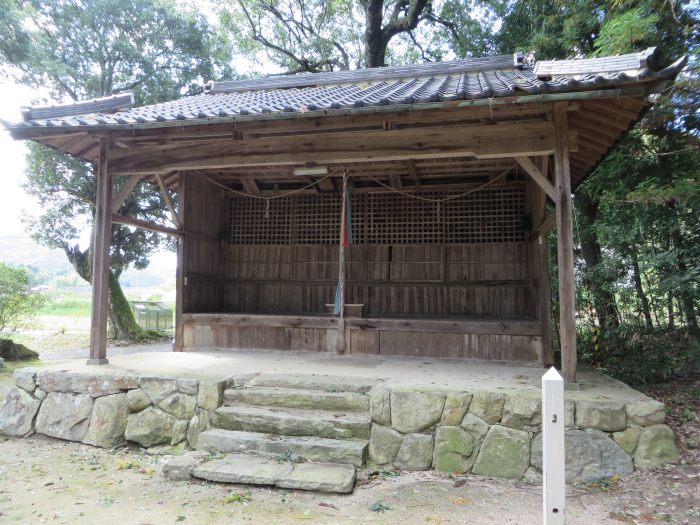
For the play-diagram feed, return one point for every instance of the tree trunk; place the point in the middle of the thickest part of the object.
(603, 298)
(122, 323)
(671, 313)
(644, 301)
(686, 298)
(375, 44)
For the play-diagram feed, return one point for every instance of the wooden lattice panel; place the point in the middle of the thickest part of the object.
(490, 215)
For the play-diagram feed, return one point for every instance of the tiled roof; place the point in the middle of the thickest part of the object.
(501, 76)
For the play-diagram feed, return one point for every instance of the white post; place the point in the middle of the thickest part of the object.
(553, 458)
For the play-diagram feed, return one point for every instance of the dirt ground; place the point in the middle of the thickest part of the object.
(49, 481)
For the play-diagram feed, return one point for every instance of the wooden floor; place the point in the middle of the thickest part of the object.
(477, 338)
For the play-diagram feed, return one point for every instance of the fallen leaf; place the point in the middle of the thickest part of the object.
(328, 505)
(458, 500)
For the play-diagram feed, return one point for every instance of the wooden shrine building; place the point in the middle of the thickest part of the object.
(413, 201)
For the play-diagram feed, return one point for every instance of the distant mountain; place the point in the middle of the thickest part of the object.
(22, 250)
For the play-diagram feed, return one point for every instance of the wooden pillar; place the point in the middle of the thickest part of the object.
(181, 261)
(100, 264)
(565, 244)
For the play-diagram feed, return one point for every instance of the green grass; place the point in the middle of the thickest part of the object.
(55, 342)
(73, 307)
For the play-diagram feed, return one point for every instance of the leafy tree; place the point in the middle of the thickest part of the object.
(93, 48)
(17, 299)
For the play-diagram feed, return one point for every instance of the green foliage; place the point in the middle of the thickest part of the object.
(18, 302)
(643, 357)
(629, 30)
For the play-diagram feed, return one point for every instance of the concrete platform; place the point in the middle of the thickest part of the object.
(425, 373)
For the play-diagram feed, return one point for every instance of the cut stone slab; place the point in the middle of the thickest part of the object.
(17, 413)
(179, 405)
(298, 398)
(590, 456)
(414, 411)
(380, 406)
(646, 413)
(137, 400)
(505, 453)
(211, 394)
(416, 452)
(628, 439)
(94, 384)
(384, 444)
(319, 477)
(657, 447)
(25, 378)
(200, 422)
(180, 467)
(65, 416)
(487, 406)
(292, 421)
(307, 448)
(454, 450)
(108, 421)
(258, 470)
(475, 425)
(360, 385)
(608, 416)
(243, 468)
(188, 386)
(456, 405)
(158, 388)
(523, 413)
(150, 427)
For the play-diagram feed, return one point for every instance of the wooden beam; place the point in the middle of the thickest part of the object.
(536, 175)
(565, 245)
(168, 201)
(547, 224)
(125, 191)
(100, 265)
(250, 185)
(499, 141)
(138, 223)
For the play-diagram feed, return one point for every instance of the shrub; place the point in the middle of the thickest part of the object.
(18, 301)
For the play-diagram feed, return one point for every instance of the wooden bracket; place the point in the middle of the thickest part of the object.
(125, 191)
(250, 185)
(169, 201)
(138, 223)
(537, 176)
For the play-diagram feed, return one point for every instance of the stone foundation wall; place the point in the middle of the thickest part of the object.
(498, 435)
(484, 433)
(109, 409)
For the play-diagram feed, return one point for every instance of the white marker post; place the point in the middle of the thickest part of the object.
(553, 458)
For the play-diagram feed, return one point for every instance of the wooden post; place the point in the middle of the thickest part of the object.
(565, 244)
(340, 344)
(553, 451)
(180, 270)
(100, 264)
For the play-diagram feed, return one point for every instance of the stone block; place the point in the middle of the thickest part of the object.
(200, 422)
(628, 439)
(179, 432)
(25, 378)
(180, 467)
(380, 406)
(179, 405)
(158, 388)
(150, 427)
(487, 406)
(415, 453)
(505, 453)
(108, 421)
(189, 387)
(384, 444)
(454, 450)
(137, 400)
(524, 413)
(608, 416)
(17, 413)
(414, 411)
(94, 384)
(656, 447)
(211, 394)
(590, 455)
(646, 413)
(475, 426)
(65, 415)
(570, 413)
(456, 405)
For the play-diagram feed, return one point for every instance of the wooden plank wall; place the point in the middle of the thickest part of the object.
(204, 215)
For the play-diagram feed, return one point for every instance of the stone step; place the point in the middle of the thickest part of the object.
(298, 398)
(320, 450)
(293, 421)
(360, 385)
(258, 470)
